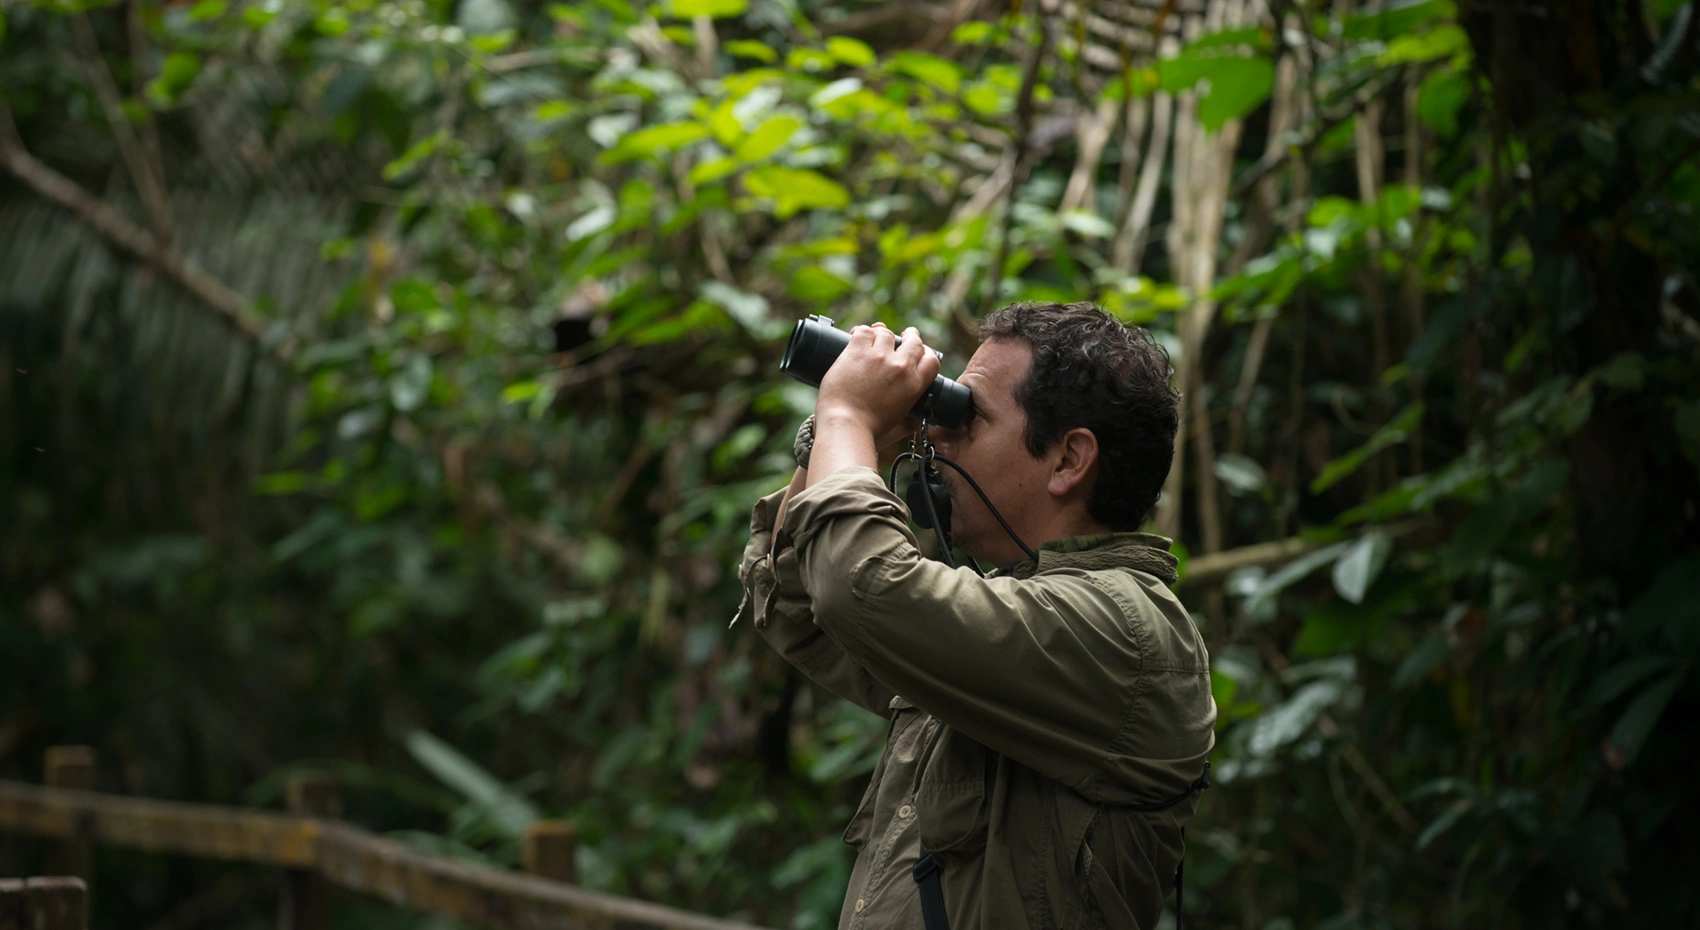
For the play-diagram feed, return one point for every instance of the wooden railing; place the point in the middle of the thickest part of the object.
(316, 848)
(55, 903)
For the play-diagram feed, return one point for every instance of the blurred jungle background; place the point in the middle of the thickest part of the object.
(384, 386)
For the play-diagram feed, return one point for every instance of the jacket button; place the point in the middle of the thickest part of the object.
(905, 811)
(861, 903)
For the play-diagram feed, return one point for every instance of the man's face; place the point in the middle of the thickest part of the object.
(993, 448)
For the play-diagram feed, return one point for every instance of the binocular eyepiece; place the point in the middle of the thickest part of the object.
(815, 344)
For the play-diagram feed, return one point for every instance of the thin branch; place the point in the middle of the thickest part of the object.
(1136, 118)
(1314, 134)
(1260, 227)
(148, 177)
(1094, 134)
(138, 87)
(1136, 232)
(1216, 567)
(127, 236)
(1023, 161)
(1411, 302)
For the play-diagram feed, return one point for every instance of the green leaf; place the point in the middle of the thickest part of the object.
(1255, 37)
(767, 139)
(650, 142)
(1237, 87)
(506, 810)
(333, 22)
(973, 32)
(1331, 209)
(415, 154)
(812, 282)
(1265, 589)
(553, 110)
(1182, 73)
(1396, 431)
(409, 386)
(1241, 473)
(852, 52)
(1087, 224)
(1627, 674)
(176, 75)
(1289, 721)
(1426, 46)
(1625, 371)
(749, 310)
(986, 98)
(1336, 626)
(1439, 99)
(1223, 689)
(412, 295)
(1686, 423)
(374, 504)
(713, 9)
(1632, 729)
(520, 391)
(794, 189)
(1420, 661)
(1448, 819)
(207, 9)
(750, 48)
(809, 61)
(1359, 566)
(591, 223)
(941, 73)
(1396, 19)
(1144, 82)
(710, 171)
(490, 43)
(1669, 606)
(282, 482)
(1474, 543)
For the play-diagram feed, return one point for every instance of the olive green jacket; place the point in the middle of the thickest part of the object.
(1026, 710)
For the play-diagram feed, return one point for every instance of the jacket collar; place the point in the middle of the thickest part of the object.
(1143, 552)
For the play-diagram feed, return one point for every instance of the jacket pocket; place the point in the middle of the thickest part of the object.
(950, 802)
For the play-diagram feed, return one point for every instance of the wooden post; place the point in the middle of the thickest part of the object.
(13, 905)
(57, 903)
(71, 767)
(550, 849)
(306, 896)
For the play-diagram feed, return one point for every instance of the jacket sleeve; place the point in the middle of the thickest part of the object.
(776, 602)
(1049, 671)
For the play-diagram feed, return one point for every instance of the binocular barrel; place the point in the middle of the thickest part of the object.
(815, 344)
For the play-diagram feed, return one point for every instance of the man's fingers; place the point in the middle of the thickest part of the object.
(918, 355)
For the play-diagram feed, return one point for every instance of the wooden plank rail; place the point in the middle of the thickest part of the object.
(50, 903)
(343, 854)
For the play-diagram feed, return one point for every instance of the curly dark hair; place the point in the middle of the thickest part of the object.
(1092, 371)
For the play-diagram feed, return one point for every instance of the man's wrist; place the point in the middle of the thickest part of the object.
(843, 438)
(843, 418)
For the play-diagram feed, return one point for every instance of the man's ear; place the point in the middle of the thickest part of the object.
(1076, 460)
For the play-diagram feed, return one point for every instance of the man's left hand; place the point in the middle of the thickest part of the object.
(866, 397)
(874, 383)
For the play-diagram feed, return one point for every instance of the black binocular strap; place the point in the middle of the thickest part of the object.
(932, 896)
(927, 868)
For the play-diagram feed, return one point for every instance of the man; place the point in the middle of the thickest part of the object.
(1050, 722)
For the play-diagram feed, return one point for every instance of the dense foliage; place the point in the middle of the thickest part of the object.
(447, 496)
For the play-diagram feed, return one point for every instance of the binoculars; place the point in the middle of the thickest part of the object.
(815, 344)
